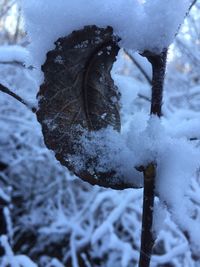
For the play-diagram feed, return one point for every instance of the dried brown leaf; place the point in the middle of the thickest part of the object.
(78, 93)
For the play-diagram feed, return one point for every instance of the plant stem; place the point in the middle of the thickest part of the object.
(158, 63)
(147, 240)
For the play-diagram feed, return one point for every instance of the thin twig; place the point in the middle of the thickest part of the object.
(146, 76)
(192, 4)
(17, 30)
(159, 66)
(144, 97)
(147, 239)
(17, 63)
(5, 11)
(17, 97)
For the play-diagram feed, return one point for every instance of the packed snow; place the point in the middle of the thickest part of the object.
(142, 25)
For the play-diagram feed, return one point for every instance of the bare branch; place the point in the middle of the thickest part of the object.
(159, 66)
(192, 4)
(17, 63)
(147, 239)
(15, 37)
(6, 9)
(144, 97)
(146, 76)
(158, 63)
(18, 98)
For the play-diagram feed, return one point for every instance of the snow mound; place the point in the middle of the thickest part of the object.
(142, 25)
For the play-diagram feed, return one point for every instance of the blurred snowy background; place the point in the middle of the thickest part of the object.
(48, 217)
